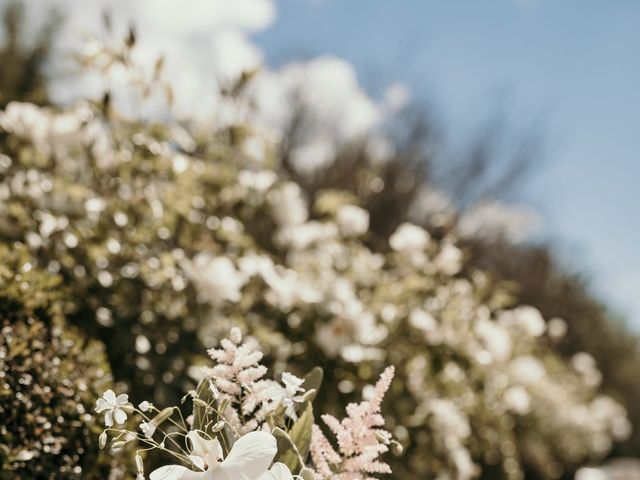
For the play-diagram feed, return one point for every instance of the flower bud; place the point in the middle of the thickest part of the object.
(200, 403)
(396, 447)
(214, 390)
(102, 439)
(309, 395)
(139, 464)
(383, 436)
(218, 426)
(162, 416)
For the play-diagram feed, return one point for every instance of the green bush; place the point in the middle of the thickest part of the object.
(49, 378)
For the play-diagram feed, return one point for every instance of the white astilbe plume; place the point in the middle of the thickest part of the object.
(238, 377)
(360, 437)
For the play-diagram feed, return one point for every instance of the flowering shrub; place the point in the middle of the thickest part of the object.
(168, 233)
(246, 427)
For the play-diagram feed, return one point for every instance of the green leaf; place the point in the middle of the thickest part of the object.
(313, 380)
(296, 441)
(286, 449)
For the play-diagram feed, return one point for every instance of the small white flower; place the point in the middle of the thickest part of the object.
(216, 278)
(409, 238)
(527, 369)
(292, 384)
(260, 181)
(287, 205)
(449, 260)
(424, 321)
(496, 339)
(148, 428)
(557, 328)
(113, 407)
(144, 406)
(352, 221)
(517, 399)
(525, 318)
(290, 395)
(95, 205)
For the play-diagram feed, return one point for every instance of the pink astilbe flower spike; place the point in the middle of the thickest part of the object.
(360, 436)
(322, 453)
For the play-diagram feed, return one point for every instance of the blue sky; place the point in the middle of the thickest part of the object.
(569, 67)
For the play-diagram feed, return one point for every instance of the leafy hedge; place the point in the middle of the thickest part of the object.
(50, 377)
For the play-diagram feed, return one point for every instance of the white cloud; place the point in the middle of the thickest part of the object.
(231, 54)
(206, 45)
(188, 17)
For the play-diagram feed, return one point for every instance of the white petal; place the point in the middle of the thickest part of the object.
(122, 399)
(108, 418)
(278, 471)
(101, 405)
(202, 447)
(109, 396)
(197, 461)
(249, 458)
(120, 416)
(176, 472)
(148, 428)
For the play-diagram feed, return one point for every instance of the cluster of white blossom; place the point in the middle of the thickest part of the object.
(244, 427)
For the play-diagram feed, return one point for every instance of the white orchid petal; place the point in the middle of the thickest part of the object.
(278, 471)
(197, 461)
(122, 399)
(204, 448)
(249, 458)
(176, 472)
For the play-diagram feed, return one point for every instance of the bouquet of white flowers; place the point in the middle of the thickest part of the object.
(244, 426)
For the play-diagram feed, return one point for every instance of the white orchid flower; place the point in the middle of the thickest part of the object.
(113, 407)
(249, 459)
(279, 471)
